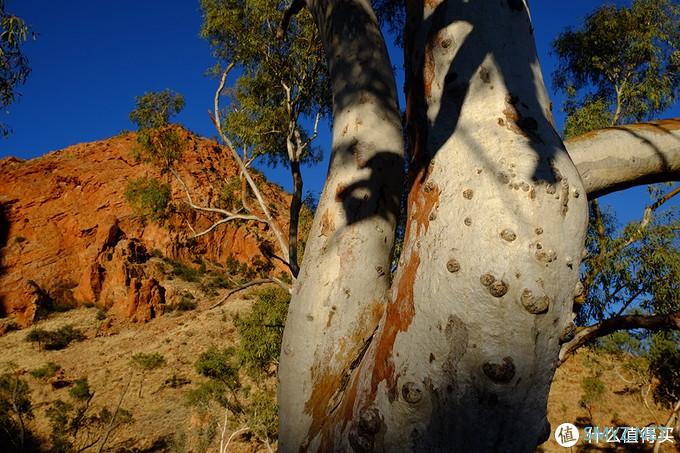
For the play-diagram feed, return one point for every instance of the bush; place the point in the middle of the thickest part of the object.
(148, 361)
(75, 426)
(46, 371)
(16, 409)
(262, 414)
(53, 340)
(664, 364)
(593, 389)
(261, 330)
(148, 197)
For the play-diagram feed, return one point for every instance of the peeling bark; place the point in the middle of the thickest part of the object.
(620, 157)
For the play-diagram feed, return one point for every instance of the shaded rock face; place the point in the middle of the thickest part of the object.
(66, 229)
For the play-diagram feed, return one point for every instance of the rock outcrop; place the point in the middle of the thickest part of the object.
(67, 231)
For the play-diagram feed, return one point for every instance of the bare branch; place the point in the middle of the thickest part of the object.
(261, 281)
(229, 215)
(585, 335)
(242, 167)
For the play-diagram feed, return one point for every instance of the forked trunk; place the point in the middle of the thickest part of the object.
(467, 342)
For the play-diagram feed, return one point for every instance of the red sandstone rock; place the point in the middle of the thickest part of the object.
(66, 226)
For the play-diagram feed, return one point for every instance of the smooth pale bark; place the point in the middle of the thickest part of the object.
(461, 356)
(465, 353)
(339, 296)
(620, 157)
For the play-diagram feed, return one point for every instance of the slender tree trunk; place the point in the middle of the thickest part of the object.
(339, 296)
(295, 205)
(460, 354)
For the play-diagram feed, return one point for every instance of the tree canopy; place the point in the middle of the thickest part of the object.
(623, 64)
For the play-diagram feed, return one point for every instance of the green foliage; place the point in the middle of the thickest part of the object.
(593, 389)
(665, 366)
(219, 365)
(57, 339)
(76, 426)
(149, 361)
(159, 140)
(261, 330)
(154, 109)
(15, 410)
(14, 67)
(262, 414)
(149, 197)
(242, 32)
(623, 64)
(46, 371)
(230, 195)
(186, 273)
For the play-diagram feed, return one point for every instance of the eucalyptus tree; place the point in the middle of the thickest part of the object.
(457, 349)
(623, 64)
(280, 94)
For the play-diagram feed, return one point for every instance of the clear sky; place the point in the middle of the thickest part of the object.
(91, 59)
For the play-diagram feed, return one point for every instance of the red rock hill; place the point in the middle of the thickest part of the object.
(67, 230)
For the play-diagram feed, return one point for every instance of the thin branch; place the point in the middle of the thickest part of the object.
(258, 195)
(229, 215)
(236, 433)
(585, 335)
(251, 283)
(111, 426)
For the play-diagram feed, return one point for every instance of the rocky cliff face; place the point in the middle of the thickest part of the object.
(67, 231)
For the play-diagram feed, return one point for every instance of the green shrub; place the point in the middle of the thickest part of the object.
(158, 139)
(46, 371)
(75, 426)
(593, 389)
(186, 304)
(16, 409)
(261, 330)
(100, 315)
(148, 361)
(57, 339)
(148, 197)
(186, 273)
(664, 364)
(262, 414)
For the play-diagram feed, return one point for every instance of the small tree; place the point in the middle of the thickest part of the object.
(16, 409)
(282, 84)
(157, 137)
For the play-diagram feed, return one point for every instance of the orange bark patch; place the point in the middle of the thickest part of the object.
(428, 69)
(334, 389)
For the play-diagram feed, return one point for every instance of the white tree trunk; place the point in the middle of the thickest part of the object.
(467, 343)
(620, 157)
(339, 296)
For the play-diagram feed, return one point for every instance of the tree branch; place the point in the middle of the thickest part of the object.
(244, 170)
(585, 335)
(619, 157)
(260, 281)
(229, 215)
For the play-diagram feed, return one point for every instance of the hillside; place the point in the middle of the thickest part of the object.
(68, 233)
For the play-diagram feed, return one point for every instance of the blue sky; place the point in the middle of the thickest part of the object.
(92, 58)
